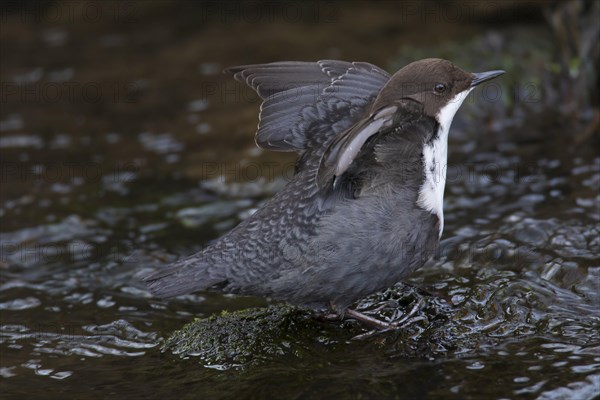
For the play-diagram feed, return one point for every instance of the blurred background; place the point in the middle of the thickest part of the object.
(123, 147)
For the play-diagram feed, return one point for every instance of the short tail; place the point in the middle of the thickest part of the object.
(182, 277)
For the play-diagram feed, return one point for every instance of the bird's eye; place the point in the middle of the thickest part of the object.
(439, 88)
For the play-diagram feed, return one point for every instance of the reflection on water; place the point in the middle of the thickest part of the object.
(96, 194)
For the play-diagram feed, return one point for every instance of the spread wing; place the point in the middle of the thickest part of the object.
(297, 95)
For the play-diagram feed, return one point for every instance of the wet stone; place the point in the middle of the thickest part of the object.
(242, 337)
(283, 332)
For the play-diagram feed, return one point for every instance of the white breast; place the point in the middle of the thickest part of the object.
(435, 158)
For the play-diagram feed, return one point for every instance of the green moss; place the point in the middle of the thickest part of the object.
(246, 336)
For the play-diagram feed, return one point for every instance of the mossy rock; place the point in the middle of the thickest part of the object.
(248, 336)
(283, 332)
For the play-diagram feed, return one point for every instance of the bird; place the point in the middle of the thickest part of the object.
(364, 208)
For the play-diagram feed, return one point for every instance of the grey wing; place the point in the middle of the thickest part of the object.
(346, 146)
(297, 95)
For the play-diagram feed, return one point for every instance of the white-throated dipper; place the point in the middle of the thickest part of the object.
(365, 206)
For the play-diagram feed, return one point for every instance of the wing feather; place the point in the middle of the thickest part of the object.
(297, 95)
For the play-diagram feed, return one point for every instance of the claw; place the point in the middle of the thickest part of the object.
(413, 311)
(383, 326)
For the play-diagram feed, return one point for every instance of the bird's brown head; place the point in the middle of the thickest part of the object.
(432, 82)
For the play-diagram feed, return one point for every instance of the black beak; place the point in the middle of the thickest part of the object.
(480, 77)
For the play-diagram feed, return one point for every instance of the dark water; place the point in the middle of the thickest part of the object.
(149, 156)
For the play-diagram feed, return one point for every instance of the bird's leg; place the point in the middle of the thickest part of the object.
(336, 315)
(327, 315)
(367, 320)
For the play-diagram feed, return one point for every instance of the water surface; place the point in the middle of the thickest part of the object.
(99, 190)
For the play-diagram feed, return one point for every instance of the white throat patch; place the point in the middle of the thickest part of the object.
(435, 158)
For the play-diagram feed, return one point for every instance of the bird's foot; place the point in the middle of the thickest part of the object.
(367, 320)
(411, 316)
(384, 326)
